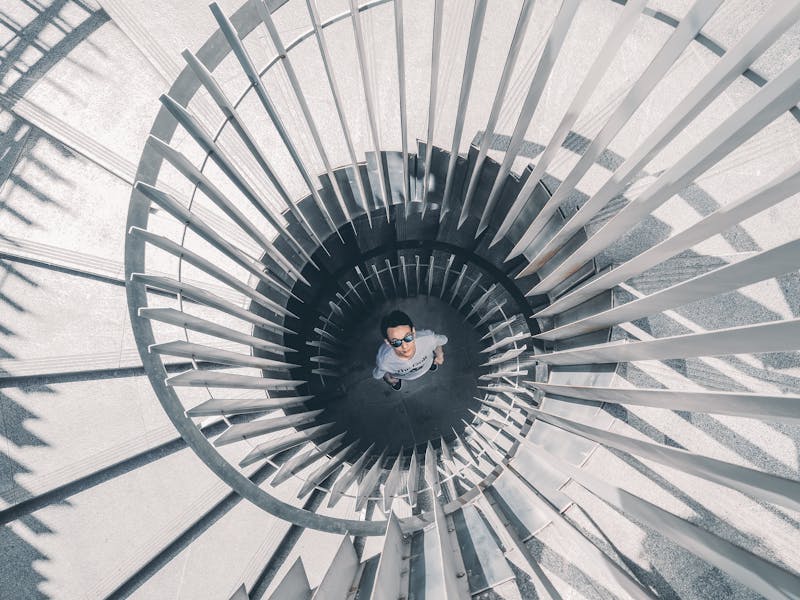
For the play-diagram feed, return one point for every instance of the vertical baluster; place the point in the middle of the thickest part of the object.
(457, 286)
(326, 62)
(435, 51)
(488, 315)
(475, 30)
(355, 292)
(558, 33)
(412, 478)
(401, 78)
(301, 100)
(391, 276)
(416, 256)
(373, 125)
(446, 274)
(505, 78)
(364, 281)
(335, 308)
(431, 471)
(380, 283)
(238, 124)
(430, 275)
(328, 324)
(469, 291)
(328, 336)
(393, 480)
(498, 326)
(405, 275)
(343, 300)
(230, 33)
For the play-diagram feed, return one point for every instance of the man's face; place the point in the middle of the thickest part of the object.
(406, 349)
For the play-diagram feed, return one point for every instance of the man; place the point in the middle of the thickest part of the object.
(406, 353)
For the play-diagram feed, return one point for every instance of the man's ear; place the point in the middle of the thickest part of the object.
(385, 341)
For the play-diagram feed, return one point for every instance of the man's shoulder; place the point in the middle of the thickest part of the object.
(383, 351)
(428, 337)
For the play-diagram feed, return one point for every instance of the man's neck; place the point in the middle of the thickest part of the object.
(413, 354)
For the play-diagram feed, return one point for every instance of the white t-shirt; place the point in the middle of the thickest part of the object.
(408, 368)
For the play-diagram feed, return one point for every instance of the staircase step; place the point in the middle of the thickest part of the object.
(341, 572)
(462, 237)
(346, 178)
(331, 201)
(294, 585)
(531, 208)
(489, 171)
(313, 215)
(240, 594)
(380, 197)
(432, 570)
(368, 584)
(415, 225)
(436, 177)
(513, 496)
(391, 573)
(511, 188)
(484, 562)
(381, 233)
(546, 478)
(392, 162)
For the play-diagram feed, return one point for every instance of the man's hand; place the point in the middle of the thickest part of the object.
(389, 379)
(438, 356)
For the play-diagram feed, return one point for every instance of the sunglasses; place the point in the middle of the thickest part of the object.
(397, 343)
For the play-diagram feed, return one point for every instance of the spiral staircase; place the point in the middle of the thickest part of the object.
(593, 200)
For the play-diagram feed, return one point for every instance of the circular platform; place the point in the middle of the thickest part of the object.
(423, 409)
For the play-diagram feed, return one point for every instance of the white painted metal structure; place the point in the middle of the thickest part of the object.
(766, 105)
(239, 203)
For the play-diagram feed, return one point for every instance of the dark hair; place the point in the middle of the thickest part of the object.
(395, 319)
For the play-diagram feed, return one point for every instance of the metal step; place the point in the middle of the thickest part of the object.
(294, 585)
(484, 562)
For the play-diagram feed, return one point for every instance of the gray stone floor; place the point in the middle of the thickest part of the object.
(423, 409)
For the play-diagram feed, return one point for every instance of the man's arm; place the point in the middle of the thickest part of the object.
(379, 373)
(438, 355)
(438, 352)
